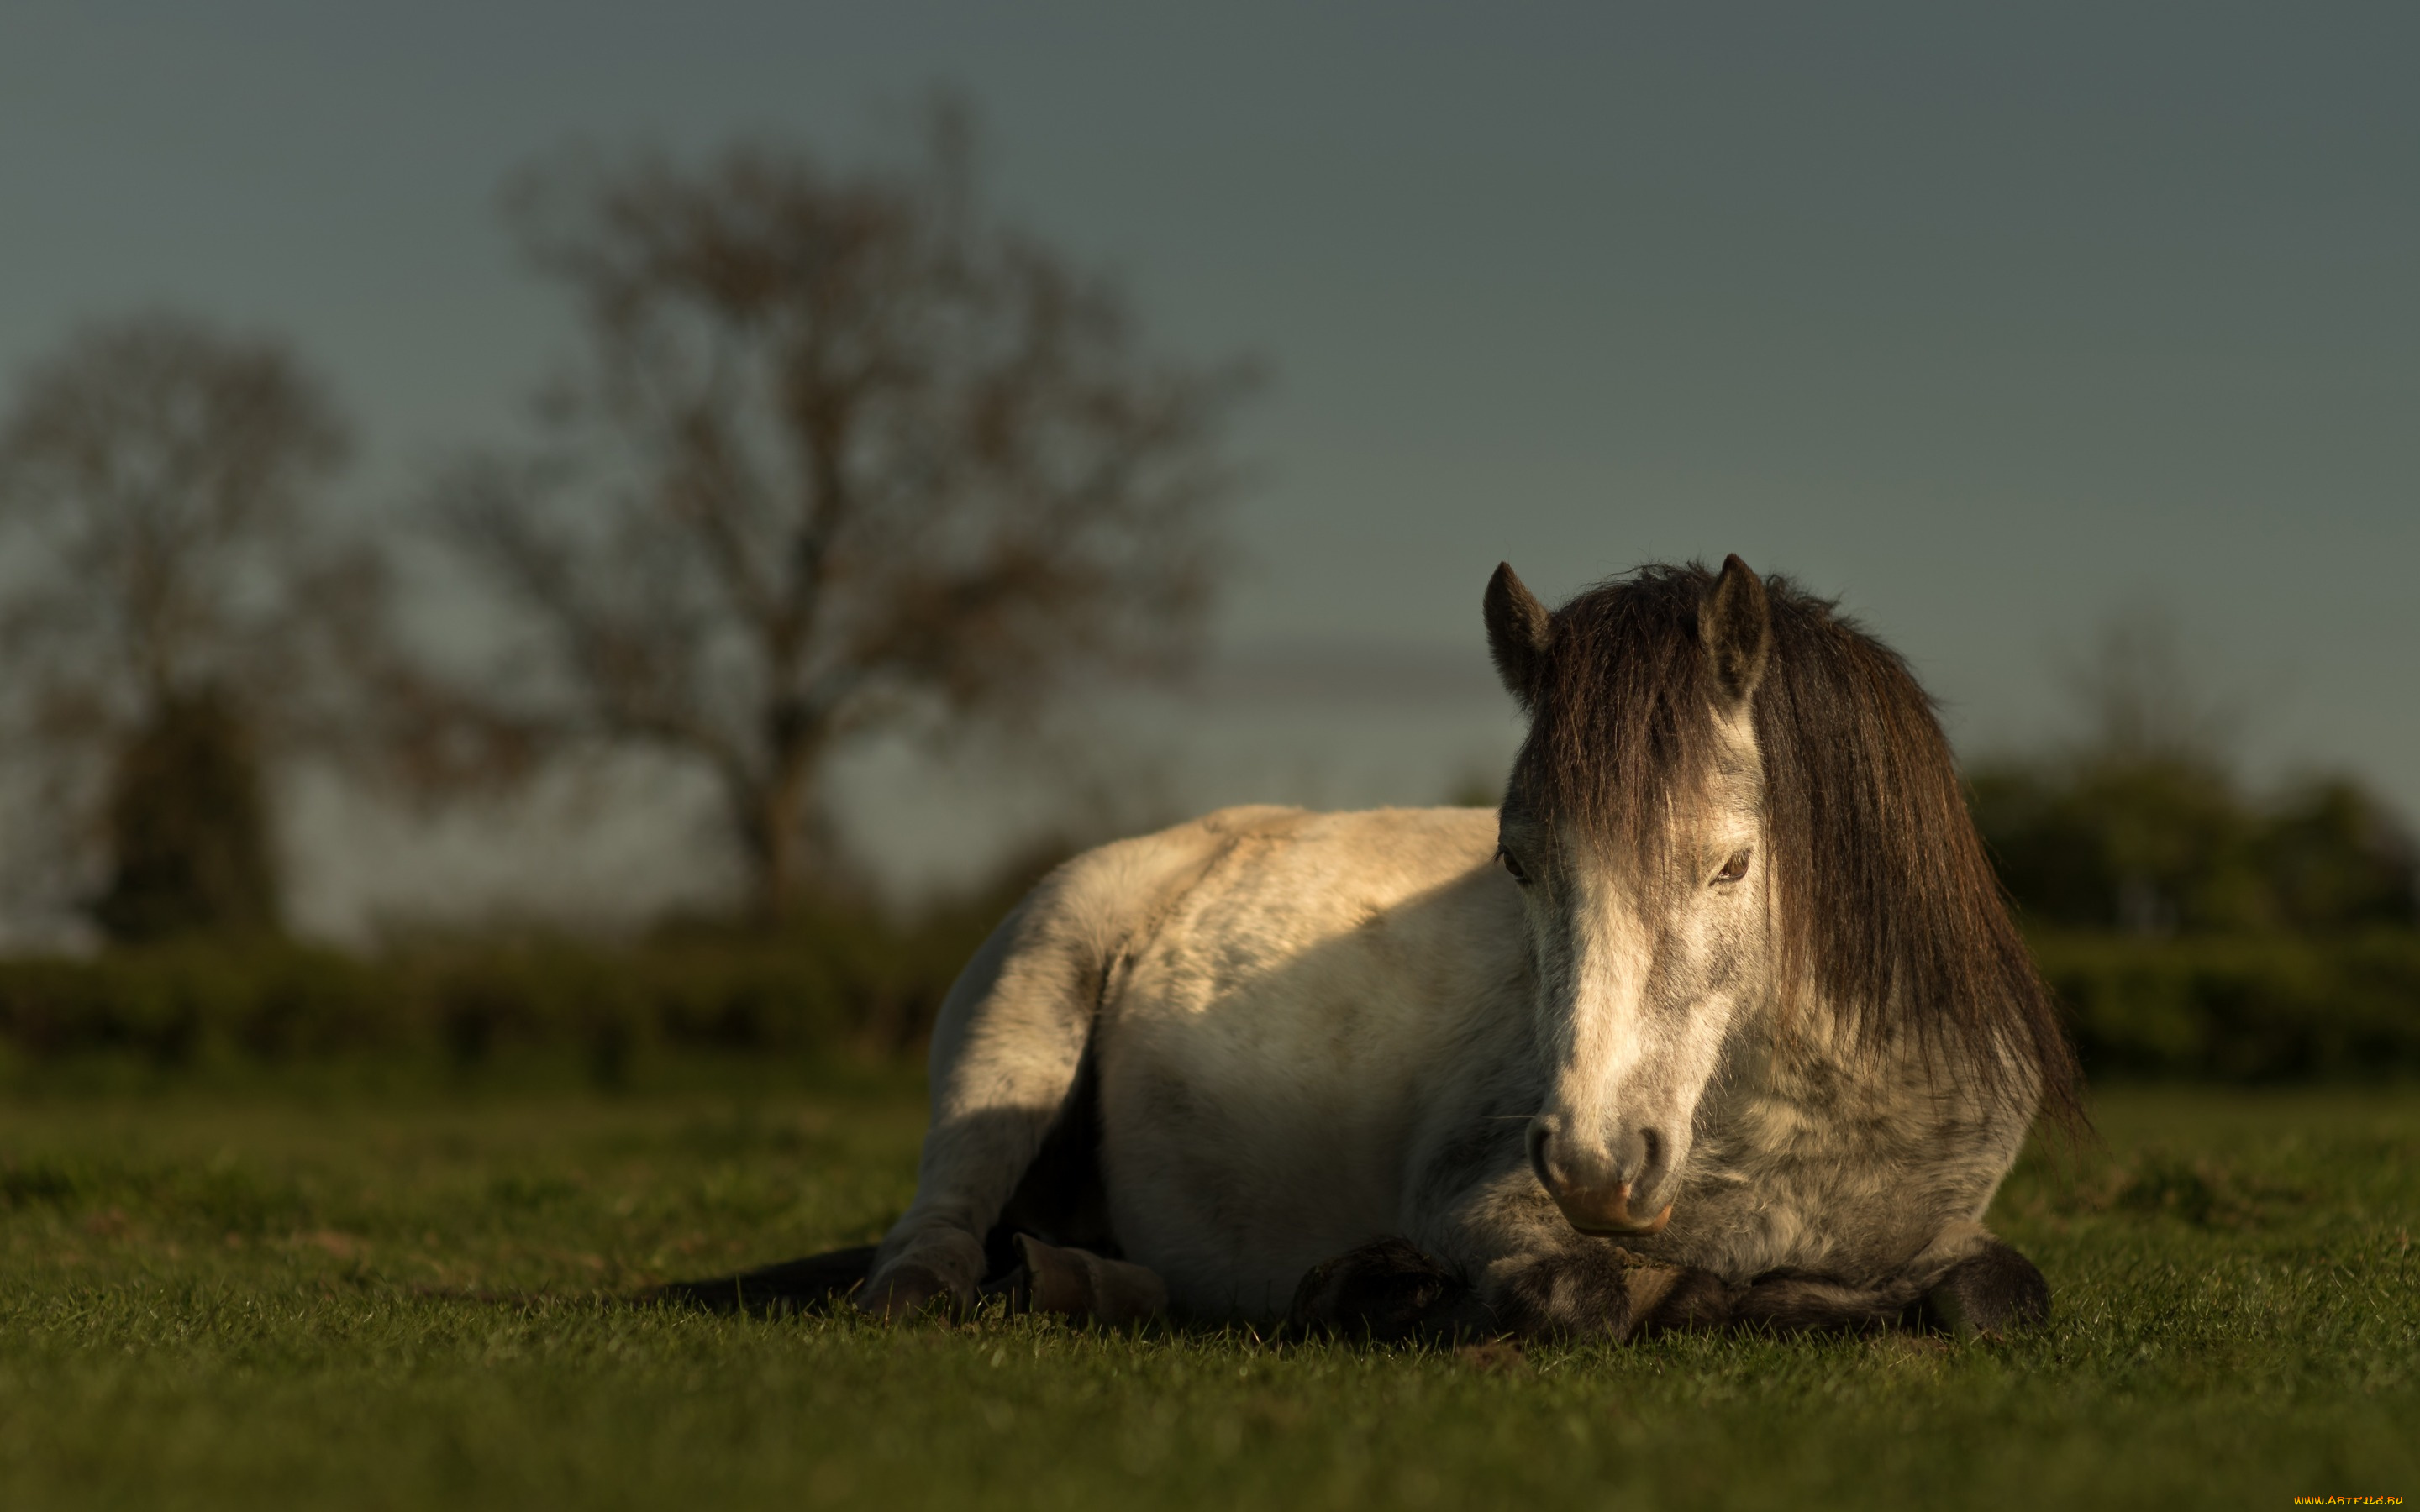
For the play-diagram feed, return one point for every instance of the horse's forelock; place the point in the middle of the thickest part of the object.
(1887, 904)
(1623, 730)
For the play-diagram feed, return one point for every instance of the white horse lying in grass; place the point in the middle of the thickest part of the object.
(1720, 1020)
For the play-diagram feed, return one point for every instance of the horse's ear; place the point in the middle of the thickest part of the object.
(1735, 625)
(1518, 633)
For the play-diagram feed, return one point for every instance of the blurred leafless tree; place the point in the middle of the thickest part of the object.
(2140, 694)
(844, 454)
(170, 582)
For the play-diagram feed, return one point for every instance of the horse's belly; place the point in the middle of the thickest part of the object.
(1232, 1199)
(1239, 1149)
(1268, 1061)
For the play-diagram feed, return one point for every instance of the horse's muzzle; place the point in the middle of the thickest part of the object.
(1597, 1206)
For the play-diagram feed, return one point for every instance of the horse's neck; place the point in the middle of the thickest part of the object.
(1827, 1069)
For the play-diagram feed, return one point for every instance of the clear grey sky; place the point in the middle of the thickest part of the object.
(1990, 319)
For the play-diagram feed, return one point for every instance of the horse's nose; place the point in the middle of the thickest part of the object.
(1596, 1189)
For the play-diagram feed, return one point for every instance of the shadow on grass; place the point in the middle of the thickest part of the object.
(806, 1285)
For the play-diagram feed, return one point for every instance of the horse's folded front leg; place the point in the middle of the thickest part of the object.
(1388, 1291)
(1987, 1287)
(1529, 1273)
(1595, 1289)
(1622, 1296)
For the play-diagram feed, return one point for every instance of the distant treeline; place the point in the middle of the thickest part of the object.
(2241, 1008)
(2174, 846)
(2196, 929)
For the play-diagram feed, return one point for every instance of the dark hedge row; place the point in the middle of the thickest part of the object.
(2229, 1009)
(858, 984)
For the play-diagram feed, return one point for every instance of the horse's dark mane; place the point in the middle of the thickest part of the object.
(1890, 906)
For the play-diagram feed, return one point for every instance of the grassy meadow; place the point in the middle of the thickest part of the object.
(326, 1286)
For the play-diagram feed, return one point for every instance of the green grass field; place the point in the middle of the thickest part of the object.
(315, 1290)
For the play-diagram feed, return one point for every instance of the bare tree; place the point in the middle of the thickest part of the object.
(172, 603)
(844, 454)
(2139, 694)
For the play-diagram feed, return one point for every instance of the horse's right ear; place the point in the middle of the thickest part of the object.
(1518, 633)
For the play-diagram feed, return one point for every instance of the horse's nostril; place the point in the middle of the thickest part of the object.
(1650, 1159)
(1541, 1137)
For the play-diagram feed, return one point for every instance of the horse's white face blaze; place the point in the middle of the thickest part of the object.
(1641, 978)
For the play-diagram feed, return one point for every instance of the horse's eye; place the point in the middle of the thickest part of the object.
(1513, 866)
(1736, 868)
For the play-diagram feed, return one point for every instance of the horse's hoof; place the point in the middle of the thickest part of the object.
(1988, 1292)
(903, 1290)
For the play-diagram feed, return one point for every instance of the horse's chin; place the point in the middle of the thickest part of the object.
(1605, 1215)
(1601, 1228)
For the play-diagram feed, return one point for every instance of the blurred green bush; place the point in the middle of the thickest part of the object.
(2241, 1008)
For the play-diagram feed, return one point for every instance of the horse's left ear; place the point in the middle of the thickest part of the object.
(1735, 625)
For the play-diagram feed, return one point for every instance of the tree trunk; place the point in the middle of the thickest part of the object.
(770, 815)
(767, 832)
(190, 851)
